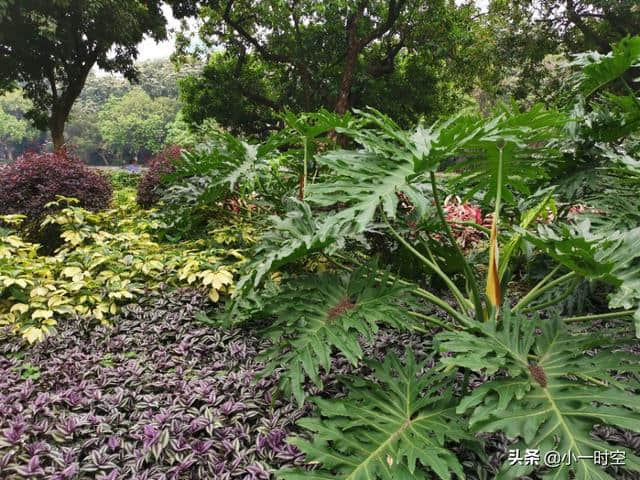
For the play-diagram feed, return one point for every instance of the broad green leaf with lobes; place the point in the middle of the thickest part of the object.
(554, 395)
(392, 430)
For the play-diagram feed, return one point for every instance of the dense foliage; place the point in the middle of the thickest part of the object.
(159, 395)
(397, 300)
(400, 56)
(32, 182)
(64, 42)
(547, 382)
(106, 259)
(112, 121)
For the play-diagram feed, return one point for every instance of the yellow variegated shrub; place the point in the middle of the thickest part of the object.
(106, 260)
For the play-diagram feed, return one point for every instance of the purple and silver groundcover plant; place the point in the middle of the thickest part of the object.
(159, 396)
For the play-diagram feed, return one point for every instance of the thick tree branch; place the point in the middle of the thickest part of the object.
(261, 49)
(394, 9)
(387, 64)
(575, 18)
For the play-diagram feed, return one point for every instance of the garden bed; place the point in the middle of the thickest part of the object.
(157, 396)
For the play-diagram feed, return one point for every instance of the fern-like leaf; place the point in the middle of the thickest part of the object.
(394, 428)
(320, 315)
(554, 393)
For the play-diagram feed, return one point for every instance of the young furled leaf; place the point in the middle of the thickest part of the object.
(393, 428)
(316, 316)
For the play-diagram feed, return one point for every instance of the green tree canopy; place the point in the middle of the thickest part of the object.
(136, 123)
(397, 55)
(15, 130)
(526, 33)
(49, 47)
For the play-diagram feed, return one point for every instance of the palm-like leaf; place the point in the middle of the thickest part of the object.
(524, 162)
(597, 70)
(317, 316)
(395, 428)
(554, 393)
(610, 256)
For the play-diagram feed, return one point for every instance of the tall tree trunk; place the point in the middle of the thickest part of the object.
(56, 125)
(347, 79)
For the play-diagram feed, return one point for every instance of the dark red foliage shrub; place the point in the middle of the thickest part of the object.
(159, 166)
(35, 179)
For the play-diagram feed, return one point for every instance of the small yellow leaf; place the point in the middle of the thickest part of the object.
(55, 301)
(213, 295)
(276, 277)
(33, 334)
(41, 314)
(220, 278)
(74, 238)
(20, 308)
(75, 273)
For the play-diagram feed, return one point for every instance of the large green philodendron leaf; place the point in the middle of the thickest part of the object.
(319, 315)
(226, 160)
(598, 70)
(364, 181)
(389, 162)
(523, 161)
(554, 394)
(311, 125)
(290, 238)
(391, 429)
(610, 256)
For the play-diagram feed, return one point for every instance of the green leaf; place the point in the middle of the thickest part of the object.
(553, 397)
(389, 162)
(520, 135)
(610, 256)
(393, 428)
(320, 315)
(288, 239)
(598, 70)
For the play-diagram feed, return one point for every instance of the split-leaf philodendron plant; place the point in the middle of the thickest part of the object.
(551, 379)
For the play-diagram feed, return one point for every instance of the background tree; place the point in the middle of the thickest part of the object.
(16, 133)
(50, 46)
(304, 55)
(530, 38)
(136, 124)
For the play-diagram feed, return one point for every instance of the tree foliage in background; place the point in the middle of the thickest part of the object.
(136, 123)
(403, 56)
(48, 47)
(16, 133)
(531, 38)
(157, 80)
